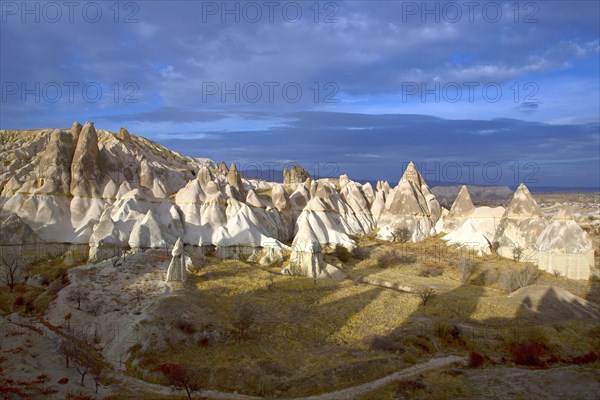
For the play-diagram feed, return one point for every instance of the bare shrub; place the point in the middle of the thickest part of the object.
(180, 378)
(12, 274)
(245, 319)
(94, 308)
(476, 360)
(264, 387)
(428, 270)
(557, 273)
(491, 276)
(514, 279)
(508, 281)
(19, 301)
(494, 246)
(517, 252)
(77, 295)
(465, 267)
(342, 253)
(527, 275)
(86, 357)
(402, 235)
(391, 257)
(186, 327)
(384, 343)
(449, 335)
(426, 295)
(137, 295)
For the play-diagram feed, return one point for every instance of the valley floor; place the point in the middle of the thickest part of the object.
(244, 330)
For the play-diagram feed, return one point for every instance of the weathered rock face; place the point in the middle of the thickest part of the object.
(280, 198)
(296, 174)
(116, 191)
(406, 215)
(54, 169)
(462, 206)
(307, 257)
(85, 171)
(223, 168)
(13, 231)
(75, 131)
(234, 179)
(180, 264)
(520, 226)
(123, 134)
(564, 248)
(468, 236)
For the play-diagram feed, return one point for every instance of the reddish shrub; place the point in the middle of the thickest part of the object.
(529, 354)
(78, 396)
(186, 327)
(476, 360)
(19, 301)
(384, 344)
(203, 342)
(63, 381)
(179, 377)
(42, 378)
(586, 358)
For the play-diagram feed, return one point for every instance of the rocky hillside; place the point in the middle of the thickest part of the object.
(115, 192)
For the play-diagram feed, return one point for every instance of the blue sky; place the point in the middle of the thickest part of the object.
(500, 93)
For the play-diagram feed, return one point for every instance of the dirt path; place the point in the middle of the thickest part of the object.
(348, 393)
(138, 385)
(364, 388)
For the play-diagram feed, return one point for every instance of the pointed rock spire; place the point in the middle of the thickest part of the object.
(75, 131)
(179, 265)
(234, 179)
(204, 175)
(296, 174)
(223, 167)
(566, 213)
(463, 205)
(85, 173)
(523, 204)
(412, 175)
(123, 135)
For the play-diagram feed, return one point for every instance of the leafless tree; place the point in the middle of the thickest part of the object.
(77, 295)
(426, 295)
(180, 378)
(84, 355)
(12, 273)
(94, 308)
(137, 295)
(402, 235)
(517, 253)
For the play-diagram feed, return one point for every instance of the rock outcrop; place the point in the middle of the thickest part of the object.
(564, 248)
(85, 169)
(307, 257)
(180, 264)
(408, 213)
(116, 192)
(296, 174)
(520, 226)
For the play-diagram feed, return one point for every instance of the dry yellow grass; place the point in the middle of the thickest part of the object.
(309, 337)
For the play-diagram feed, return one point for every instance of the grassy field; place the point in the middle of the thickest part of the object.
(243, 328)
